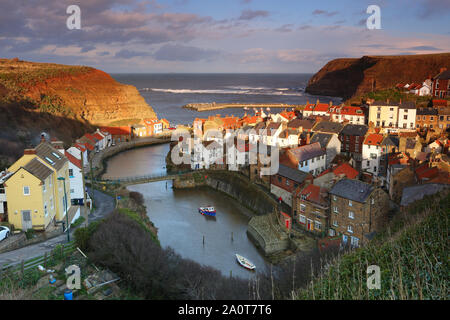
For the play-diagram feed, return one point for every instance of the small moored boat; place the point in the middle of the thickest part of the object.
(207, 211)
(245, 262)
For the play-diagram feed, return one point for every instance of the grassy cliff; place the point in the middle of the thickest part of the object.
(412, 254)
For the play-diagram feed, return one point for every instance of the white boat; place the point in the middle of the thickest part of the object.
(245, 262)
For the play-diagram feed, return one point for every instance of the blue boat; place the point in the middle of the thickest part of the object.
(207, 211)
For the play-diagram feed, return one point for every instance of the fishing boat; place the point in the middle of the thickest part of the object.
(245, 262)
(207, 211)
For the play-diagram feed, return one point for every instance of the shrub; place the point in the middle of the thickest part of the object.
(137, 197)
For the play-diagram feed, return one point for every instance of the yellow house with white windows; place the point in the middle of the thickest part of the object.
(384, 114)
(35, 195)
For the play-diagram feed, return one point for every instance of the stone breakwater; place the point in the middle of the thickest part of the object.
(215, 106)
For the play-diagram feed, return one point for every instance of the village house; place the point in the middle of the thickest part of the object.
(384, 114)
(286, 181)
(288, 138)
(351, 114)
(119, 134)
(330, 142)
(79, 151)
(4, 175)
(407, 115)
(411, 146)
(352, 138)
(427, 118)
(441, 84)
(329, 177)
(301, 125)
(357, 210)
(140, 130)
(270, 136)
(318, 109)
(308, 158)
(444, 118)
(400, 174)
(372, 153)
(311, 209)
(36, 196)
(76, 180)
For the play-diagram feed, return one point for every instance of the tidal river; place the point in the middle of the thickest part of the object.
(180, 226)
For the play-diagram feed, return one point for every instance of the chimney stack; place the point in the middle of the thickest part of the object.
(443, 69)
(43, 137)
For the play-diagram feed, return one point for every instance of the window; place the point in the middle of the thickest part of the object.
(50, 160)
(43, 187)
(350, 203)
(302, 219)
(350, 229)
(56, 155)
(72, 190)
(317, 225)
(354, 241)
(431, 118)
(334, 198)
(335, 210)
(391, 109)
(51, 203)
(287, 182)
(70, 172)
(351, 215)
(331, 232)
(335, 223)
(45, 210)
(26, 191)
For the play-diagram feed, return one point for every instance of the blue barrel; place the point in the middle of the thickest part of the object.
(68, 294)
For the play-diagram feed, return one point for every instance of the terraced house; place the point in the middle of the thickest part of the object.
(357, 211)
(34, 192)
(311, 209)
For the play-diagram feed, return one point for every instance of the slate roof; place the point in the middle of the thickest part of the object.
(408, 105)
(384, 103)
(355, 130)
(292, 174)
(329, 127)
(50, 155)
(322, 138)
(443, 75)
(307, 152)
(38, 169)
(390, 141)
(414, 193)
(354, 190)
(304, 123)
(426, 111)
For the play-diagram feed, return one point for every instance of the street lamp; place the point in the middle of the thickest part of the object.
(65, 207)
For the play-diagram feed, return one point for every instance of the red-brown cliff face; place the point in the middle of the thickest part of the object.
(75, 92)
(349, 77)
(64, 101)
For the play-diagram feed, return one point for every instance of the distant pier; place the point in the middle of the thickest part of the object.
(214, 106)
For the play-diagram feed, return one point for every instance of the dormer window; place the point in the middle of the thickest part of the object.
(57, 156)
(50, 160)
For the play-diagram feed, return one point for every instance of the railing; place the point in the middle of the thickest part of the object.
(164, 176)
(23, 265)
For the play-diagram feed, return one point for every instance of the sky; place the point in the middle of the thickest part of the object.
(232, 36)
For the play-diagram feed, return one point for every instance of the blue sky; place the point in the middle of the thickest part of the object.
(218, 36)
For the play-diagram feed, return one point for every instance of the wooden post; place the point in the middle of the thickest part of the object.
(203, 240)
(231, 236)
(45, 260)
(22, 267)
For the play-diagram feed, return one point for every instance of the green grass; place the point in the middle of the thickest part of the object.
(412, 255)
(78, 222)
(136, 217)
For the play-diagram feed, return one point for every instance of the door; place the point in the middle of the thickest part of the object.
(26, 220)
(310, 226)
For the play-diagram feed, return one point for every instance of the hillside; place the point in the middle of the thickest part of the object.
(348, 77)
(412, 255)
(65, 101)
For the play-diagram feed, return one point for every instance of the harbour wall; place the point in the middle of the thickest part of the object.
(215, 106)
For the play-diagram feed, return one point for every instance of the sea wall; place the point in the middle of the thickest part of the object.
(215, 106)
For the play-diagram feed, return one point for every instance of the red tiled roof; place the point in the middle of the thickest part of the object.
(91, 137)
(88, 146)
(312, 193)
(309, 107)
(322, 107)
(72, 159)
(374, 139)
(80, 147)
(124, 130)
(98, 136)
(346, 169)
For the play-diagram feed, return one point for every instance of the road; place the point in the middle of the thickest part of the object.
(104, 204)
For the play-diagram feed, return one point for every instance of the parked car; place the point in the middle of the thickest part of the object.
(4, 233)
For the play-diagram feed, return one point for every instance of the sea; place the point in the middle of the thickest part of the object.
(168, 93)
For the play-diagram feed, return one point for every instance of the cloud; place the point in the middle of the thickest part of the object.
(319, 12)
(252, 14)
(424, 48)
(431, 8)
(127, 54)
(284, 28)
(177, 52)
